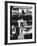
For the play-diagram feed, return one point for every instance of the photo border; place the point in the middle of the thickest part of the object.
(6, 22)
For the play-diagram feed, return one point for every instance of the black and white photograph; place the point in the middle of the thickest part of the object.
(20, 22)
